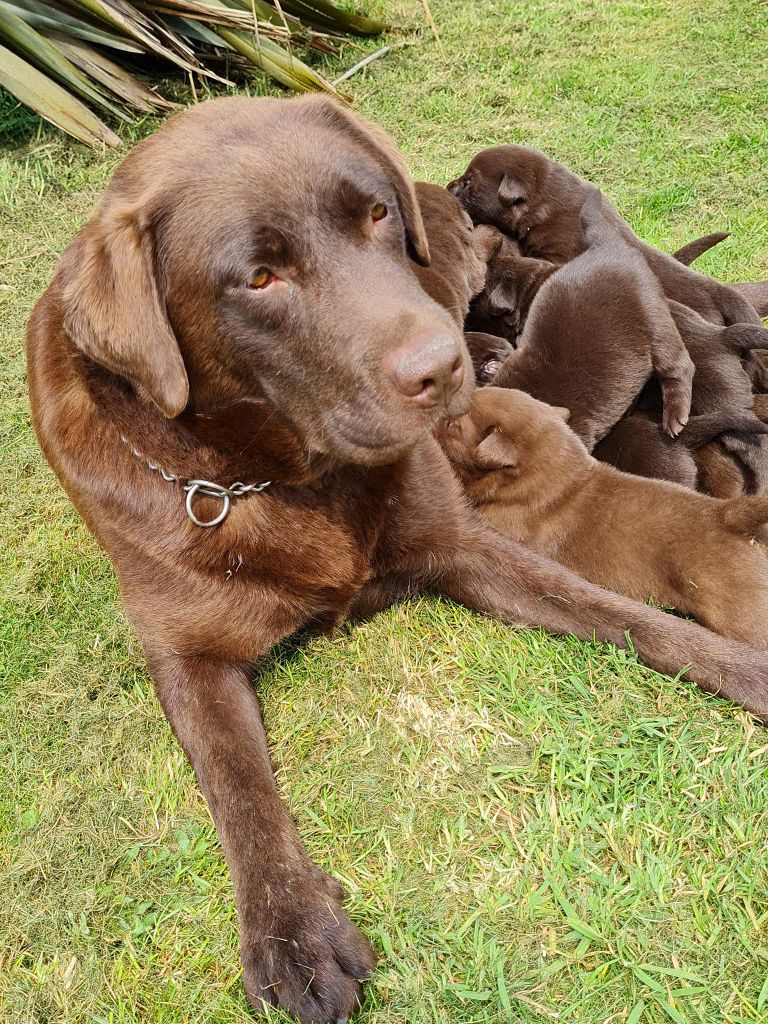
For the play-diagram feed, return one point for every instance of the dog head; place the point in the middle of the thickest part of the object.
(507, 431)
(260, 250)
(502, 185)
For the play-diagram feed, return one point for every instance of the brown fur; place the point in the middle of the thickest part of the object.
(456, 271)
(691, 251)
(537, 202)
(328, 383)
(721, 383)
(488, 353)
(596, 331)
(638, 444)
(512, 282)
(532, 479)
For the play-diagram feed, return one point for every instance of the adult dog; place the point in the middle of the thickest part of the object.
(242, 307)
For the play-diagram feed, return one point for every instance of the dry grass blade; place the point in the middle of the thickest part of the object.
(50, 17)
(328, 16)
(277, 62)
(52, 102)
(66, 39)
(49, 59)
(113, 77)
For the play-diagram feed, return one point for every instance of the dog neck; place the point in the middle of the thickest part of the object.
(245, 441)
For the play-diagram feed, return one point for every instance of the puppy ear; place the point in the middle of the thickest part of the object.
(114, 313)
(382, 149)
(562, 412)
(502, 300)
(512, 191)
(496, 452)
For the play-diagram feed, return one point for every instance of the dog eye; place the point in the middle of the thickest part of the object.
(378, 212)
(261, 277)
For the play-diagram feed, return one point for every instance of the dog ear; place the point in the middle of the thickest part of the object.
(379, 145)
(511, 191)
(114, 313)
(502, 300)
(496, 452)
(562, 412)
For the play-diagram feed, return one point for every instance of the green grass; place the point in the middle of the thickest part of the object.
(531, 829)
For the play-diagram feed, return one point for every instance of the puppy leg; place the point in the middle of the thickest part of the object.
(499, 577)
(718, 473)
(300, 951)
(674, 369)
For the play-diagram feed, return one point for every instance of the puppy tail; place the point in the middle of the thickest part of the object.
(595, 228)
(742, 338)
(756, 294)
(700, 430)
(746, 514)
(689, 253)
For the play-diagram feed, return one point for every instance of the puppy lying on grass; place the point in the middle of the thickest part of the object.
(597, 330)
(532, 479)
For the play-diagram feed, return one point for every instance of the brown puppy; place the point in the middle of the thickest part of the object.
(596, 331)
(532, 479)
(241, 307)
(721, 383)
(638, 444)
(537, 202)
(456, 271)
(512, 282)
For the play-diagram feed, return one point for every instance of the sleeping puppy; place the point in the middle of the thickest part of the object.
(638, 445)
(488, 352)
(512, 282)
(457, 267)
(722, 383)
(537, 202)
(597, 330)
(531, 478)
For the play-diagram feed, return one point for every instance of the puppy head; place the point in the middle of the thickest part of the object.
(511, 283)
(501, 185)
(258, 250)
(505, 431)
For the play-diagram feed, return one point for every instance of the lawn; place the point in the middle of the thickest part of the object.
(530, 829)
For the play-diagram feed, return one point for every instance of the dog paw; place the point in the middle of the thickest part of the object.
(673, 421)
(306, 956)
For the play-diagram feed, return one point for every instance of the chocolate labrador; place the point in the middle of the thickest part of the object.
(235, 374)
(537, 202)
(597, 330)
(531, 478)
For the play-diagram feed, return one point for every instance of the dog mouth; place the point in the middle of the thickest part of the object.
(348, 435)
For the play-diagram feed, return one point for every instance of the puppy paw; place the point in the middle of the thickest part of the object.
(304, 955)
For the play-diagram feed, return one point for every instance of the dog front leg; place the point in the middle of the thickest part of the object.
(299, 950)
(499, 577)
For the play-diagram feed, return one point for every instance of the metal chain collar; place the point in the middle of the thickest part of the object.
(192, 488)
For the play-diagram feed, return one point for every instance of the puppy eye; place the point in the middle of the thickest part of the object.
(378, 212)
(261, 278)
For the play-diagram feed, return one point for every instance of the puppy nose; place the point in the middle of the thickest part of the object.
(429, 369)
(454, 186)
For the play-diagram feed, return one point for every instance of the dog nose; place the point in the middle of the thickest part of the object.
(454, 186)
(429, 369)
